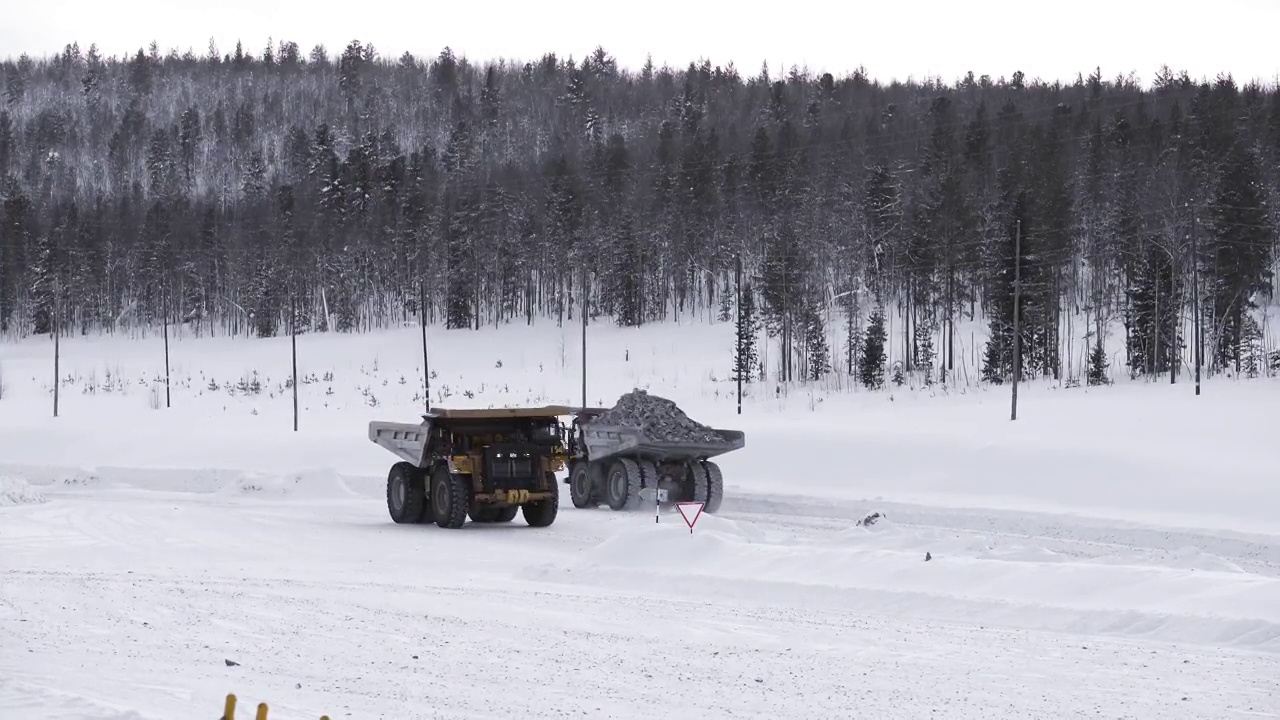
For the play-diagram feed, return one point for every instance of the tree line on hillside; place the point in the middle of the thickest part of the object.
(287, 191)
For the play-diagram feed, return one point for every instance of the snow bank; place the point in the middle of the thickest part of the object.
(16, 491)
(319, 484)
(1020, 583)
(315, 484)
(45, 701)
(656, 545)
(892, 558)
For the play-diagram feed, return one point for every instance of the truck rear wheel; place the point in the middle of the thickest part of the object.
(698, 483)
(649, 475)
(715, 487)
(708, 485)
(625, 481)
(580, 485)
(406, 493)
(450, 498)
(541, 513)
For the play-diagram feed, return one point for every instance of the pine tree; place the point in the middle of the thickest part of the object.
(1252, 352)
(923, 345)
(997, 364)
(871, 365)
(1241, 250)
(853, 339)
(726, 307)
(1098, 364)
(747, 332)
(1152, 311)
(8, 145)
(818, 354)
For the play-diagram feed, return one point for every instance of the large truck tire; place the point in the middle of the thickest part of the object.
(406, 493)
(715, 487)
(506, 513)
(699, 484)
(450, 498)
(649, 474)
(581, 489)
(625, 481)
(541, 513)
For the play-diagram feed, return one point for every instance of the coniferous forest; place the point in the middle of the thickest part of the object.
(264, 191)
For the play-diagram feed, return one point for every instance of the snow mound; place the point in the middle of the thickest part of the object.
(16, 491)
(1192, 558)
(885, 535)
(665, 543)
(1012, 581)
(319, 484)
(659, 418)
(42, 702)
(50, 475)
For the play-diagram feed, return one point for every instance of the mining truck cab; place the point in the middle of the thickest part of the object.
(501, 454)
(575, 440)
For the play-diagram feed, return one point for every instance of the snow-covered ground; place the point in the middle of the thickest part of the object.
(1115, 552)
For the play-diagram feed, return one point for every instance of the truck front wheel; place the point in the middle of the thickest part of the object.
(450, 498)
(541, 513)
(580, 485)
(624, 484)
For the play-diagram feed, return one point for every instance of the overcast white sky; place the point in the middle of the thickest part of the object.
(892, 39)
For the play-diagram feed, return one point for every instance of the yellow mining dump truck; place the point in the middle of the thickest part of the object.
(485, 464)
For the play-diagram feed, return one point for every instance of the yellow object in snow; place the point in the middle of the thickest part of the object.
(229, 710)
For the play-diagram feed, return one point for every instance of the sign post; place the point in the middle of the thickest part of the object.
(690, 511)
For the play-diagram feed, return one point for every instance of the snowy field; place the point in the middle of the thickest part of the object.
(1114, 553)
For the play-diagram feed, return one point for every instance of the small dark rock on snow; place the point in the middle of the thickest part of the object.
(231, 663)
(660, 419)
(870, 520)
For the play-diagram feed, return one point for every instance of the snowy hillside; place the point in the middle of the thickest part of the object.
(1114, 552)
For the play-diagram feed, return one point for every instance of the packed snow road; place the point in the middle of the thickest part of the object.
(127, 601)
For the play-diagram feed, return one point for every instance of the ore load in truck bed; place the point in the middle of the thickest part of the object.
(660, 419)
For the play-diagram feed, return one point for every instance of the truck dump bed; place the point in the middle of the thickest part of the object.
(605, 441)
(406, 440)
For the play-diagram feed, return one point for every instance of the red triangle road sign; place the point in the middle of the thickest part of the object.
(690, 511)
